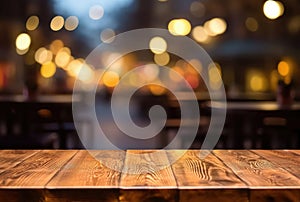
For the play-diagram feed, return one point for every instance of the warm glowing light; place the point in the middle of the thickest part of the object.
(22, 52)
(158, 45)
(32, 23)
(71, 23)
(42, 55)
(57, 23)
(56, 45)
(150, 72)
(162, 59)
(74, 67)
(48, 69)
(179, 27)
(63, 57)
(157, 89)
(200, 34)
(107, 35)
(283, 68)
(256, 83)
(23, 41)
(215, 26)
(162, 0)
(110, 79)
(176, 74)
(214, 74)
(86, 74)
(96, 12)
(196, 64)
(251, 24)
(273, 9)
(197, 9)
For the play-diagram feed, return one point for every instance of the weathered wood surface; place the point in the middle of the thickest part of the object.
(223, 175)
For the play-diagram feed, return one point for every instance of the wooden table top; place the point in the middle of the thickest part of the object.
(223, 175)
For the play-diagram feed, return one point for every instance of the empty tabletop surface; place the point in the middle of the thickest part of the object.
(155, 175)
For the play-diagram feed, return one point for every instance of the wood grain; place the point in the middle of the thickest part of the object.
(88, 169)
(275, 195)
(11, 158)
(191, 171)
(149, 172)
(287, 160)
(256, 171)
(204, 179)
(36, 171)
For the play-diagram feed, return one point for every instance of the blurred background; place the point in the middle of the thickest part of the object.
(254, 45)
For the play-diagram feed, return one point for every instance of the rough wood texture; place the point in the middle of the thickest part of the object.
(256, 171)
(85, 170)
(287, 160)
(36, 171)
(11, 158)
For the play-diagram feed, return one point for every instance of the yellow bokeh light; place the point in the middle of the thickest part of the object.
(63, 57)
(110, 79)
(74, 67)
(23, 41)
(32, 23)
(273, 9)
(200, 34)
(215, 26)
(71, 23)
(157, 89)
(256, 83)
(158, 45)
(214, 74)
(283, 68)
(42, 55)
(57, 23)
(56, 45)
(96, 12)
(251, 24)
(48, 69)
(179, 27)
(162, 59)
(107, 35)
(22, 52)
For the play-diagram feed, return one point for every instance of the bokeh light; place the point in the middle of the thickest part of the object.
(23, 41)
(215, 26)
(283, 68)
(162, 59)
(42, 55)
(63, 57)
(56, 45)
(158, 45)
(71, 23)
(32, 23)
(110, 79)
(107, 35)
(96, 12)
(150, 72)
(251, 24)
(48, 69)
(179, 27)
(200, 34)
(57, 23)
(214, 73)
(273, 9)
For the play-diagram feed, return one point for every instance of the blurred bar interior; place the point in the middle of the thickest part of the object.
(254, 44)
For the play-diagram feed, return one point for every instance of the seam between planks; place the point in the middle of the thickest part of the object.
(60, 169)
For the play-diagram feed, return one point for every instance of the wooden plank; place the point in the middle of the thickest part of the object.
(256, 171)
(143, 169)
(35, 171)
(21, 195)
(287, 160)
(11, 158)
(86, 171)
(205, 179)
(193, 172)
(147, 177)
